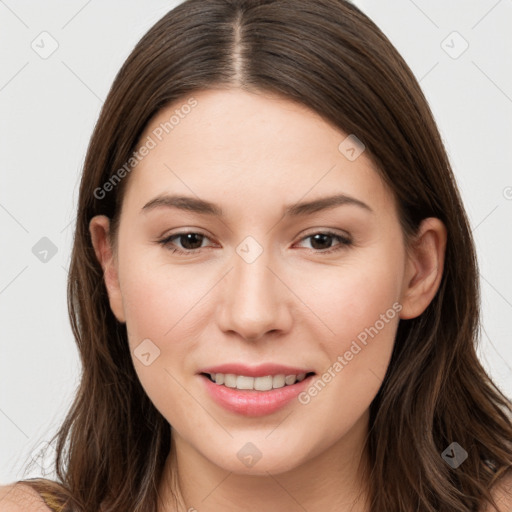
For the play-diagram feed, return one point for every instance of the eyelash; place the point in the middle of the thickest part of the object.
(344, 242)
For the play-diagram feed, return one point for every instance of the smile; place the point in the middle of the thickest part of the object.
(254, 396)
(264, 383)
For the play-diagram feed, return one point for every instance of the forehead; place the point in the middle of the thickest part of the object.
(225, 144)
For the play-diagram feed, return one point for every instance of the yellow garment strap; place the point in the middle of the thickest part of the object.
(51, 502)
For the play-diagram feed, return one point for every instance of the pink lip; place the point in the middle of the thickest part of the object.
(251, 402)
(255, 371)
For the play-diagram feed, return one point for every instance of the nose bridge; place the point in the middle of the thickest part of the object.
(254, 304)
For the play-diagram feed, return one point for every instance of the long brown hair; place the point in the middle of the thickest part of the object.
(330, 57)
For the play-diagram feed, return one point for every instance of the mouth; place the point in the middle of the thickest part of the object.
(255, 396)
(259, 384)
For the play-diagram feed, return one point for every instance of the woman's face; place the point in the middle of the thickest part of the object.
(259, 280)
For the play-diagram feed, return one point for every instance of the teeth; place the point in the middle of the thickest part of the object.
(278, 381)
(229, 380)
(289, 379)
(265, 383)
(244, 382)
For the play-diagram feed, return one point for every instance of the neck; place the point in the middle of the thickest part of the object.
(335, 479)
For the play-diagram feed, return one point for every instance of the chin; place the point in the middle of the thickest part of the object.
(247, 459)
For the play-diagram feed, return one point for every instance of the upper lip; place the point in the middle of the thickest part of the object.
(255, 371)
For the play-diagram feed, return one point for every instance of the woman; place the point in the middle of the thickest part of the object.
(230, 359)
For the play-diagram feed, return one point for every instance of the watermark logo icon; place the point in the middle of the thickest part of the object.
(147, 352)
(249, 455)
(351, 148)
(454, 45)
(454, 455)
(249, 249)
(44, 250)
(44, 45)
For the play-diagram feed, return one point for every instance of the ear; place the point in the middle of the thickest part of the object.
(424, 268)
(99, 228)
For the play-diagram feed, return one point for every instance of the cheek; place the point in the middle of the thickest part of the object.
(157, 296)
(159, 302)
(351, 297)
(359, 302)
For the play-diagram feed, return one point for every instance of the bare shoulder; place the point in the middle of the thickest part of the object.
(19, 497)
(502, 493)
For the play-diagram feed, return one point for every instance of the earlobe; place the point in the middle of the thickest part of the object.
(424, 268)
(99, 228)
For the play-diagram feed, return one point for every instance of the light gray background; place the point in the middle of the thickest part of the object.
(48, 108)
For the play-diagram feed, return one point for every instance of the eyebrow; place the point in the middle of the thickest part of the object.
(201, 206)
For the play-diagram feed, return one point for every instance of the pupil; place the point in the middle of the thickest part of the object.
(189, 237)
(322, 237)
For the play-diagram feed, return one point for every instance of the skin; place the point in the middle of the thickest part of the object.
(253, 154)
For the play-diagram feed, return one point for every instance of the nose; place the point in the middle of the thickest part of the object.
(255, 301)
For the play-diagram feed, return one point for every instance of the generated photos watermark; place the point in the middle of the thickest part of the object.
(151, 142)
(344, 359)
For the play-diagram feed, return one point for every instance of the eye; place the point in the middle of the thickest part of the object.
(319, 241)
(192, 242)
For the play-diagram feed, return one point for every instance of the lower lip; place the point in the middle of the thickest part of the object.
(251, 402)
